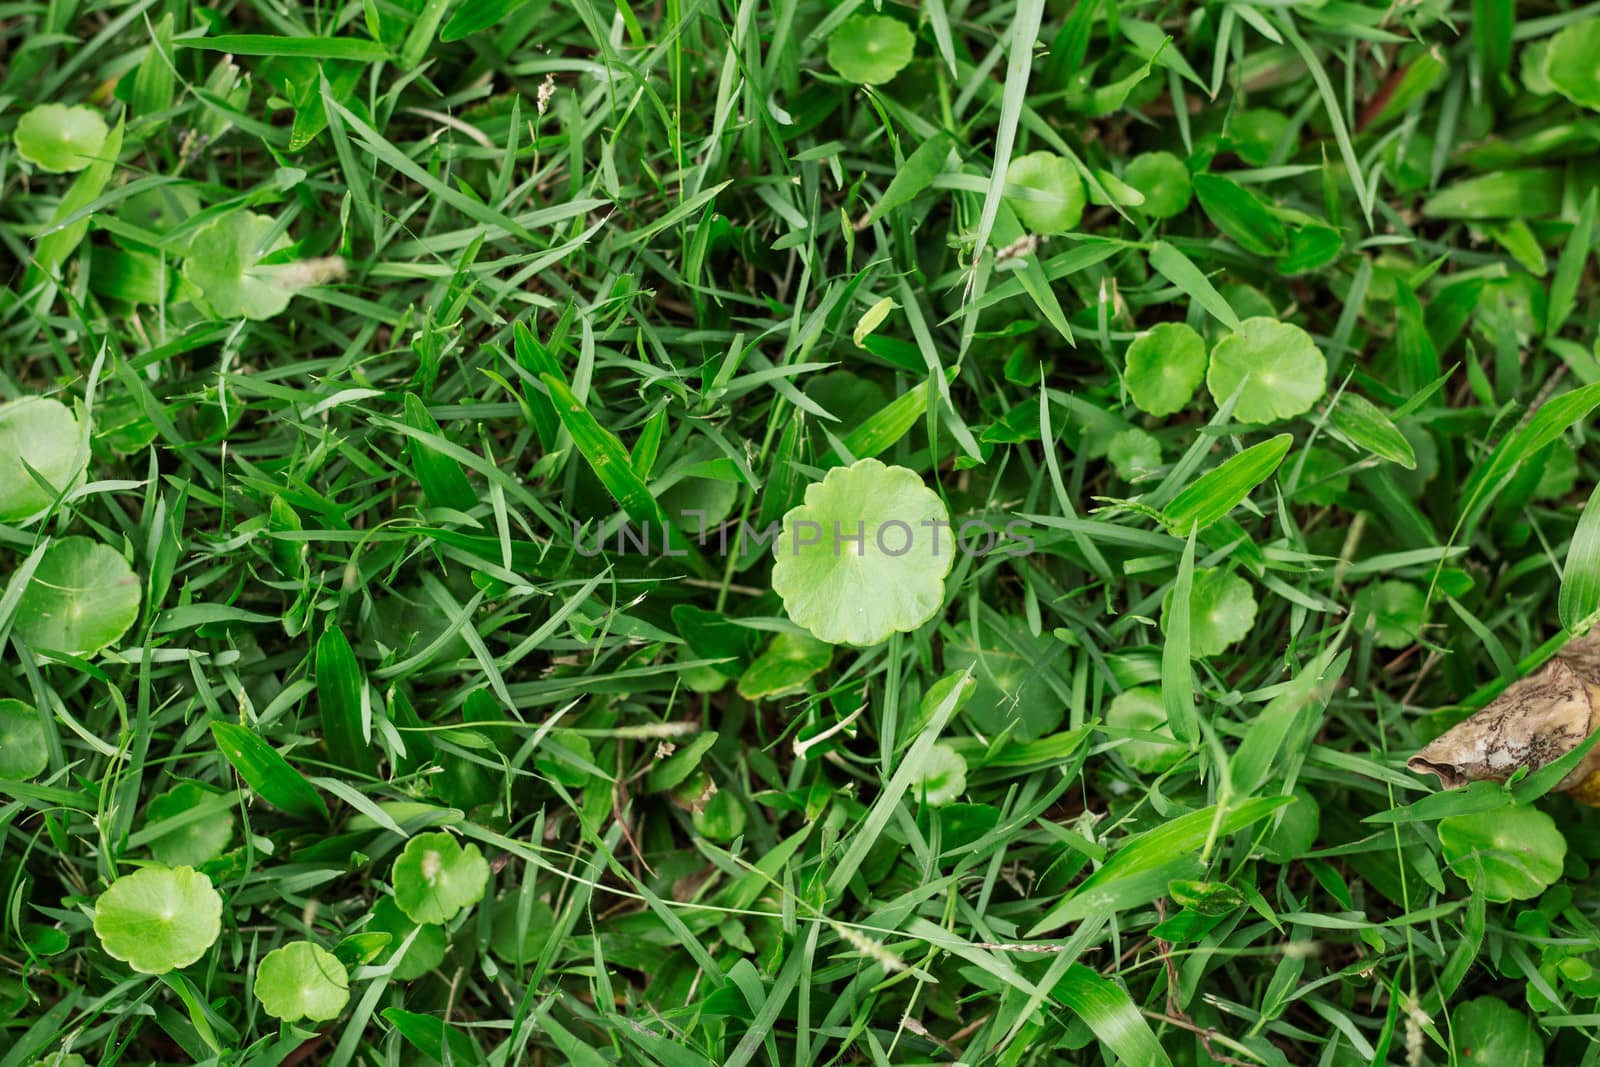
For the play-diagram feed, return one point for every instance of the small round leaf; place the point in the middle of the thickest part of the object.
(941, 777)
(1143, 709)
(1164, 367)
(1056, 178)
(60, 139)
(425, 953)
(196, 841)
(870, 49)
(302, 981)
(83, 596)
(158, 919)
(1222, 609)
(43, 434)
(22, 744)
(1393, 611)
(224, 264)
(1134, 453)
(1519, 849)
(1164, 181)
(1278, 364)
(1570, 64)
(523, 948)
(435, 878)
(865, 556)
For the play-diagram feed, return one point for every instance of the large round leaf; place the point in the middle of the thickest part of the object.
(434, 878)
(1571, 64)
(870, 49)
(1164, 367)
(865, 556)
(158, 918)
(40, 433)
(83, 596)
(224, 264)
(1277, 364)
(23, 753)
(519, 937)
(1488, 1032)
(302, 981)
(60, 139)
(1164, 181)
(1519, 850)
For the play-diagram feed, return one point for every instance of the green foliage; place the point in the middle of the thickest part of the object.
(401, 404)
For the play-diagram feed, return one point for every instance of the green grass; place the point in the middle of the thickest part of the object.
(527, 275)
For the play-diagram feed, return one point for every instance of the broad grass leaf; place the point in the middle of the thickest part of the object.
(1113, 1016)
(1366, 426)
(267, 773)
(341, 686)
(1223, 488)
(1241, 214)
(1178, 269)
(1579, 601)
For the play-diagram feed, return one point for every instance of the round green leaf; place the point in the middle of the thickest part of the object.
(865, 556)
(1570, 65)
(524, 947)
(23, 753)
(302, 981)
(1253, 133)
(83, 596)
(60, 139)
(158, 919)
(197, 840)
(1393, 611)
(870, 49)
(1143, 709)
(1013, 670)
(1488, 1032)
(224, 265)
(43, 434)
(425, 953)
(721, 817)
(435, 878)
(1134, 453)
(941, 777)
(1164, 366)
(1056, 178)
(1222, 609)
(1520, 850)
(1164, 181)
(1278, 364)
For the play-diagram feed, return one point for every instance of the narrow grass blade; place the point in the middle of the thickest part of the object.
(267, 773)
